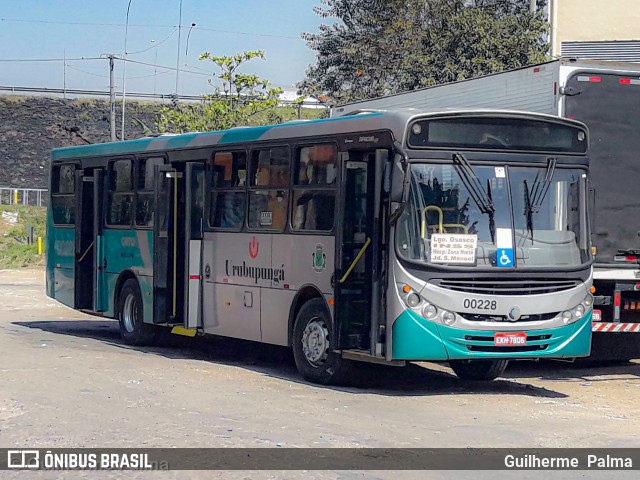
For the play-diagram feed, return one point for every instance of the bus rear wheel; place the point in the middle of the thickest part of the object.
(314, 345)
(133, 330)
(478, 369)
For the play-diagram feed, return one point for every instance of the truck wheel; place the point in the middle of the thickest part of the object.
(130, 316)
(478, 369)
(313, 345)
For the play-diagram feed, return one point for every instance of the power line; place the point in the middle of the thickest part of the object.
(87, 73)
(26, 60)
(92, 24)
(151, 75)
(168, 68)
(156, 45)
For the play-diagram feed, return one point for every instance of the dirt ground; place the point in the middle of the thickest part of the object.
(67, 380)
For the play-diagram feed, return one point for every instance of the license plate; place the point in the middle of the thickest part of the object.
(511, 339)
(596, 316)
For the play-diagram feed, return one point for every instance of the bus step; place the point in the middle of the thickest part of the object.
(187, 332)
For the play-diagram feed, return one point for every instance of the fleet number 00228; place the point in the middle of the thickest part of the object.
(480, 304)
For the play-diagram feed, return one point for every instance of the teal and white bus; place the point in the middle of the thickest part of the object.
(388, 237)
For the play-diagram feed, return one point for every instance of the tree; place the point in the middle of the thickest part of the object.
(237, 101)
(381, 47)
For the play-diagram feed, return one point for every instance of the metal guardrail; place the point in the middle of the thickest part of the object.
(36, 197)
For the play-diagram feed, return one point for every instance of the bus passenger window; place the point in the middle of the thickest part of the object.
(63, 195)
(314, 188)
(316, 165)
(313, 210)
(120, 198)
(268, 201)
(268, 209)
(145, 200)
(228, 198)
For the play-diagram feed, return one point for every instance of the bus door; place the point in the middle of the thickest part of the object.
(165, 244)
(85, 241)
(99, 282)
(357, 244)
(194, 208)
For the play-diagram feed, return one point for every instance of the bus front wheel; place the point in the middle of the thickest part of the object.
(314, 345)
(133, 330)
(478, 369)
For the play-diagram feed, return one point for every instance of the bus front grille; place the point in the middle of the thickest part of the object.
(500, 286)
(494, 349)
(504, 318)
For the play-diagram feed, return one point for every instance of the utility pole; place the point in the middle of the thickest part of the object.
(64, 74)
(178, 57)
(112, 95)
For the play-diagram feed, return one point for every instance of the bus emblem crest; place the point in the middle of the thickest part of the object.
(319, 258)
(254, 247)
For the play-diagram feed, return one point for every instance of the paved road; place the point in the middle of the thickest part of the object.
(68, 381)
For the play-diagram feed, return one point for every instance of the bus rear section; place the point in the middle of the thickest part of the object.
(609, 103)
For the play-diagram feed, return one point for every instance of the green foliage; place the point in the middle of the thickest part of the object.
(381, 47)
(240, 99)
(14, 251)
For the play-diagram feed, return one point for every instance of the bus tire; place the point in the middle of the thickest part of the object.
(478, 369)
(133, 330)
(313, 347)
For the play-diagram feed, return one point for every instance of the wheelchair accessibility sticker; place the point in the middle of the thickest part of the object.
(504, 257)
(504, 251)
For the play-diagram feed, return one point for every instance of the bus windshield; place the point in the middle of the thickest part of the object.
(535, 213)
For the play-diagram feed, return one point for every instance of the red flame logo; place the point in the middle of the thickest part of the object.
(254, 247)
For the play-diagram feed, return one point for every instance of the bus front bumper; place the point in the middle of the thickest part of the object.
(415, 338)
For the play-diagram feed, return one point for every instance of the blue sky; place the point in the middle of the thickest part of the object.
(53, 29)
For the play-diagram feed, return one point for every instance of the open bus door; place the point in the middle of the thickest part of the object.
(99, 292)
(85, 241)
(358, 262)
(164, 244)
(194, 216)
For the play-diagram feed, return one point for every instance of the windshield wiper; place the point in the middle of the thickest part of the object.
(535, 197)
(481, 197)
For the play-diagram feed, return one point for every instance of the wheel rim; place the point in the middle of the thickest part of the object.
(129, 312)
(315, 342)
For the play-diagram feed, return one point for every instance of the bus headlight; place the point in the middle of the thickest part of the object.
(430, 311)
(448, 318)
(588, 301)
(577, 312)
(413, 300)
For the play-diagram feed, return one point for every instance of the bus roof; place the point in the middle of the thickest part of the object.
(394, 120)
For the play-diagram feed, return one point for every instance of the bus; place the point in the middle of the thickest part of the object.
(388, 237)
(605, 95)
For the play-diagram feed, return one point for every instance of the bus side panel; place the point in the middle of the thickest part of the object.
(274, 321)
(235, 266)
(302, 261)
(60, 264)
(129, 250)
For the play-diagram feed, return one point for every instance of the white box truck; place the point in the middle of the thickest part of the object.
(605, 96)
